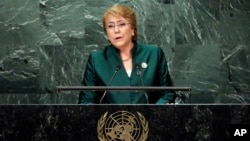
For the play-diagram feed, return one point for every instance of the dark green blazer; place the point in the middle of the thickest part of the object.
(101, 66)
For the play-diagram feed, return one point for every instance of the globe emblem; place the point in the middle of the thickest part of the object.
(122, 126)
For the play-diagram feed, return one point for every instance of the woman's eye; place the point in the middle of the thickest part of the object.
(110, 26)
(122, 24)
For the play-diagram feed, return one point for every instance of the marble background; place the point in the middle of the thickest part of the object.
(45, 43)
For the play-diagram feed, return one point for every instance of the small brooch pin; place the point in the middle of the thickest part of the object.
(144, 65)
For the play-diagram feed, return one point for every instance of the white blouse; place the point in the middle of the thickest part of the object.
(129, 72)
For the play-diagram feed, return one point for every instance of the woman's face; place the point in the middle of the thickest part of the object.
(119, 31)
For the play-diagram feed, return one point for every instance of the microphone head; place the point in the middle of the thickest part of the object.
(138, 69)
(118, 67)
(137, 66)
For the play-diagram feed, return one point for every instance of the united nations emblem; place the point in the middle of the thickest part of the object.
(122, 126)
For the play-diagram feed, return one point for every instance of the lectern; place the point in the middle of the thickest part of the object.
(181, 97)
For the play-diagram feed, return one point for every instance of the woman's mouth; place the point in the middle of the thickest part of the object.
(118, 38)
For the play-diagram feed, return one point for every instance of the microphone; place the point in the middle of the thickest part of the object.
(139, 74)
(117, 68)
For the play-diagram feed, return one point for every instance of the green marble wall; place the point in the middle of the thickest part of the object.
(46, 43)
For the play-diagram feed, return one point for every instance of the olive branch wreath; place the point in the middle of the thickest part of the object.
(100, 125)
(102, 120)
(144, 125)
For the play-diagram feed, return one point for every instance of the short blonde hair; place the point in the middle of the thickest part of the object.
(126, 13)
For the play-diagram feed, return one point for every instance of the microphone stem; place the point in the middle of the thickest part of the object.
(109, 84)
(139, 73)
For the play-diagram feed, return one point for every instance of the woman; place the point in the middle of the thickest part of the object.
(125, 63)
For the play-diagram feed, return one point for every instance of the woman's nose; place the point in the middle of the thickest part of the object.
(116, 29)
